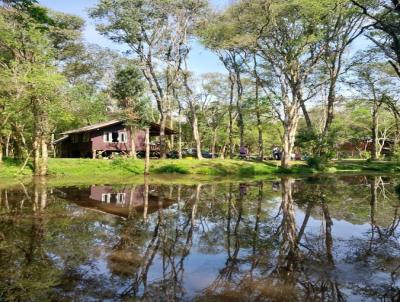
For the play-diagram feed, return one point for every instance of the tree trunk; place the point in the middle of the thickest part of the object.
(223, 150)
(41, 131)
(163, 151)
(171, 126)
(328, 234)
(330, 107)
(53, 147)
(7, 149)
(290, 127)
(36, 155)
(259, 126)
(133, 145)
(1, 152)
(196, 135)
(147, 157)
(239, 110)
(45, 156)
(288, 252)
(230, 109)
(214, 142)
(180, 133)
(375, 147)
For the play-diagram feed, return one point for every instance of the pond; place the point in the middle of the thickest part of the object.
(325, 238)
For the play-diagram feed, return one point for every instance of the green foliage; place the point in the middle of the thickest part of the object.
(396, 154)
(128, 85)
(319, 163)
(172, 168)
(397, 190)
(128, 88)
(127, 165)
(365, 155)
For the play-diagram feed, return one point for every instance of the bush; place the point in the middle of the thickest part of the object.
(318, 162)
(396, 154)
(397, 190)
(365, 155)
(172, 168)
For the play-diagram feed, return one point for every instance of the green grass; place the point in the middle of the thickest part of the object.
(121, 169)
(12, 167)
(365, 165)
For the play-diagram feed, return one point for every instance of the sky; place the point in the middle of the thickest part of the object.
(200, 61)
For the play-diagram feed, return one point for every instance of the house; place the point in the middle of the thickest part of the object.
(104, 139)
(356, 147)
(120, 201)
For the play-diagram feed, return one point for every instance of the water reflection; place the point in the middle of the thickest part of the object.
(313, 239)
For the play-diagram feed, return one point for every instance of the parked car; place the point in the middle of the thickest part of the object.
(206, 154)
(173, 154)
(189, 152)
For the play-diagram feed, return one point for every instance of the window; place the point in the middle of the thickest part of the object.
(120, 198)
(117, 198)
(86, 137)
(110, 136)
(122, 137)
(106, 197)
(115, 137)
(75, 138)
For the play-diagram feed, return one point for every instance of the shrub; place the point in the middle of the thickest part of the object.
(396, 154)
(172, 168)
(318, 162)
(397, 189)
(365, 155)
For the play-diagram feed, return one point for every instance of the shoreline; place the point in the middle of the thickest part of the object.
(185, 170)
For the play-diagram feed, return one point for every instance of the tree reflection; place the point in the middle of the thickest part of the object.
(252, 241)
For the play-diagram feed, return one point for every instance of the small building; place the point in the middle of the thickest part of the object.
(104, 139)
(356, 147)
(120, 201)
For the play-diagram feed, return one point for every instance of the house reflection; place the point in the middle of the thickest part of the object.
(120, 201)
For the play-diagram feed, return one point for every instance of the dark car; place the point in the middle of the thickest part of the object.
(173, 154)
(206, 154)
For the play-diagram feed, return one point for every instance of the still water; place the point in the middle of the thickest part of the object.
(309, 239)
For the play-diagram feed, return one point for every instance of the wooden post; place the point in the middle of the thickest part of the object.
(146, 197)
(94, 153)
(147, 159)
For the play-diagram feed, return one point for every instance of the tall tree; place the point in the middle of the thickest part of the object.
(128, 89)
(375, 85)
(384, 16)
(219, 34)
(342, 28)
(288, 38)
(157, 33)
(25, 44)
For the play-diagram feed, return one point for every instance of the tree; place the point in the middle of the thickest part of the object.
(384, 27)
(288, 38)
(214, 89)
(219, 34)
(26, 48)
(344, 26)
(128, 89)
(157, 33)
(375, 87)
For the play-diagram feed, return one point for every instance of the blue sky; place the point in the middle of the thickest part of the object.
(201, 60)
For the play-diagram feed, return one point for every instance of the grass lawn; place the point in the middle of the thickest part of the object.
(125, 167)
(87, 169)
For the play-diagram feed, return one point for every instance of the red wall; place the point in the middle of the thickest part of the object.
(99, 144)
